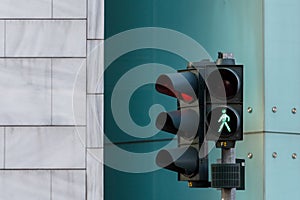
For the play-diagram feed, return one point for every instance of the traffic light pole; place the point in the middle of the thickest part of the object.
(228, 157)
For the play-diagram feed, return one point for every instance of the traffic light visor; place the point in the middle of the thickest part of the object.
(223, 83)
(181, 160)
(182, 85)
(182, 122)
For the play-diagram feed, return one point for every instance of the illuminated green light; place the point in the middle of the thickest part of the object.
(224, 119)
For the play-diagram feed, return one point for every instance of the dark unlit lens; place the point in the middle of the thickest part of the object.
(223, 83)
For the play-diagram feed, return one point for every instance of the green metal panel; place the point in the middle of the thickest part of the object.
(228, 25)
(282, 41)
(254, 144)
(236, 26)
(282, 30)
(142, 99)
(264, 36)
(158, 185)
(282, 174)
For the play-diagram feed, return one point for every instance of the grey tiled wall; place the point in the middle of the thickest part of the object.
(96, 19)
(94, 172)
(69, 91)
(95, 80)
(25, 9)
(51, 105)
(26, 88)
(45, 38)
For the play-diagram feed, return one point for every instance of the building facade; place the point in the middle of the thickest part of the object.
(51, 59)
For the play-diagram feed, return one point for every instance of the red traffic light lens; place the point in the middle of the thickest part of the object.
(186, 97)
(182, 85)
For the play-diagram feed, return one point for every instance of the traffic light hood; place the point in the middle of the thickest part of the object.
(183, 86)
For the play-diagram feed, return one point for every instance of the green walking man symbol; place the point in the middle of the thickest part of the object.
(224, 119)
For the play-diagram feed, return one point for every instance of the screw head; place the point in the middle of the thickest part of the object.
(250, 110)
(294, 110)
(250, 155)
(294, 155)
(274, 155)
(274, 109)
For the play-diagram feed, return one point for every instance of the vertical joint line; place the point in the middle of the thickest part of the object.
(87, 19)
(86, 183)
(103, 20)
(51, 185)
(51, 91)
(4, 38)
(86, 92)
(86, 29)
(86, 39)
(51, 8)
(4, 147)
(86, 9)
(86, 82)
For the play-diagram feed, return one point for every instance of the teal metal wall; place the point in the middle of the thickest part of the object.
(282, 52)
(282, 89)
(264, 36)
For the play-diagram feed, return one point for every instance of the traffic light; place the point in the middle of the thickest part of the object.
(224, 101)
(209, 107)
(187, 122)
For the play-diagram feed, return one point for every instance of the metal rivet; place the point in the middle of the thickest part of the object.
(274, 109)
(274, 155)
(250, 110)
(294, 110)
(294, 155)
(250, 155)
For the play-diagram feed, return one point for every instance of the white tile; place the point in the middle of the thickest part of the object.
(2, 38)
(69, 91)
(68, 185)
(95, 66)
(69, 8)
(25, 85)
(46, 38)
(2, 147)
(44, 147)
(95, 19)
(95, 179)
(28, 184)
(25, 9)
(95, 121)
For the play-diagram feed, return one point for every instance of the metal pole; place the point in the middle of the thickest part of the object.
(228, 156)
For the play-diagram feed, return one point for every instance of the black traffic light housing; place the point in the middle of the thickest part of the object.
(209, 107)
(187, 122)
(224, 101)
